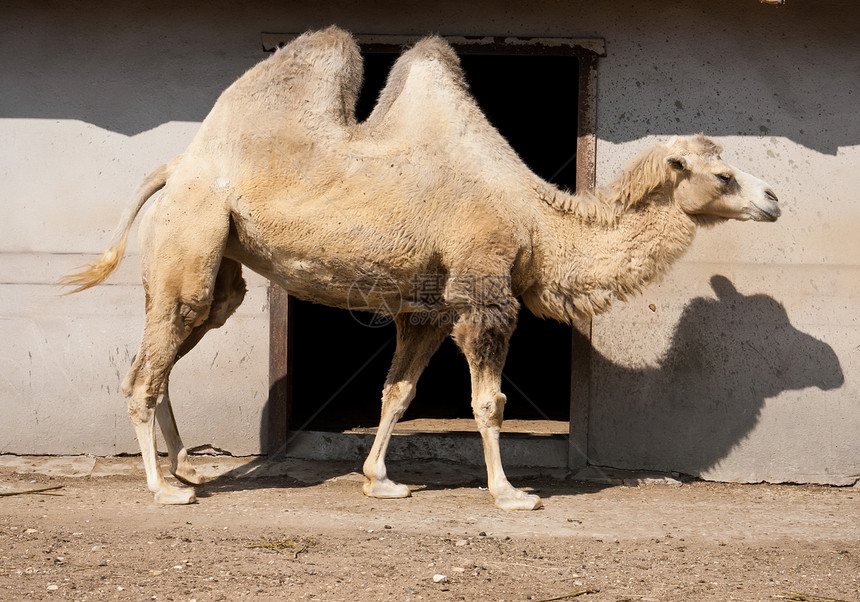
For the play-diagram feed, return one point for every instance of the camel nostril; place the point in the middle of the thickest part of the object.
(771, 195)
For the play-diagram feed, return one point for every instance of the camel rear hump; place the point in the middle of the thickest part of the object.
(430, 49)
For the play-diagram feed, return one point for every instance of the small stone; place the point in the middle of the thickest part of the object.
(482, 534)
(461, 543)
(409, 590)
(30, 531)
(53, 587)
(439, 578)
(458, 569)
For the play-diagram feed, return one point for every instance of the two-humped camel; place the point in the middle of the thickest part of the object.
(281, 178)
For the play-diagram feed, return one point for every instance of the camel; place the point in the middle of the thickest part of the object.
(281, 178)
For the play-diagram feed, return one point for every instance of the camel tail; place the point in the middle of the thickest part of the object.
(96, 271)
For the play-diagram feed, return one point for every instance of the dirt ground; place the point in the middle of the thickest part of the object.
(314, 536)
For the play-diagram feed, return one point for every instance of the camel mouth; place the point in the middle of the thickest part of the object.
(765, 214)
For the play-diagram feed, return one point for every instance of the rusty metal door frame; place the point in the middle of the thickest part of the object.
(587, 50)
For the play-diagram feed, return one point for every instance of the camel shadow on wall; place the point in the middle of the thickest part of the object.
(727, 358)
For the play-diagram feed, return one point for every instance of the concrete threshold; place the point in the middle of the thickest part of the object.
(518, 449)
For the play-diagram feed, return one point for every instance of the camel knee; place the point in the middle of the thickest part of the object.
(396, 398)
(489, 410)
(192, 313)
(228, 294)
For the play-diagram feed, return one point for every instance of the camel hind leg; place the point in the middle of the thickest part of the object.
(228, 295)
(145, 388)
(417, 340)
(182, 241)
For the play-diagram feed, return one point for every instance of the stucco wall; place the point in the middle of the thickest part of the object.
(747, 369)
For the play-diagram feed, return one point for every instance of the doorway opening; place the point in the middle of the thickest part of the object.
(532, 99)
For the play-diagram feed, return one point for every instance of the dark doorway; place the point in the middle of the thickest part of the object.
(340, 363)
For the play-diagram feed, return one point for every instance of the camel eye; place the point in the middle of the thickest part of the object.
(724, 178)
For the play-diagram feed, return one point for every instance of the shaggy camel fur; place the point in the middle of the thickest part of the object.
(281, 178)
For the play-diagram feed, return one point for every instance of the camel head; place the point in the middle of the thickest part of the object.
(711, 190)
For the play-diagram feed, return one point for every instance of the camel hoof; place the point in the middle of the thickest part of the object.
(385, 489)
(518, 501)
(175, 495)
(188, 475)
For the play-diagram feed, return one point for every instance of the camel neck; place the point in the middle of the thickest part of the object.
(589, 264)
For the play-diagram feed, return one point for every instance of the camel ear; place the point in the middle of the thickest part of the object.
(723, 287)
(677, 162)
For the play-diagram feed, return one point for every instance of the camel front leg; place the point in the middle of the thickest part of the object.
(488, 404)
(417, 340)
(483, 335)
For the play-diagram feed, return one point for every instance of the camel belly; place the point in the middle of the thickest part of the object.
(338, 269)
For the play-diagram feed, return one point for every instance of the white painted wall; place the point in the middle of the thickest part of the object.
(761, 382)
(758, 383)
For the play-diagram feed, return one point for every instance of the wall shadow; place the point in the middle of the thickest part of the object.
(130, 69)
(727, 358)
(126, 69)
